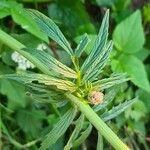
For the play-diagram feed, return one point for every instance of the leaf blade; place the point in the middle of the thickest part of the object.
(51, 29)
(59, 129)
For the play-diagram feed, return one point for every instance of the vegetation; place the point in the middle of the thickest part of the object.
(59, 90)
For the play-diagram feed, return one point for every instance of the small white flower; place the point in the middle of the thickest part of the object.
(42, 46)
(23, 63)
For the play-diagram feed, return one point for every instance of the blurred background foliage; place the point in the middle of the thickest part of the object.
(23, 120)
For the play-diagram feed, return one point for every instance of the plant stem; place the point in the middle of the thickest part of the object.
(17, 46)
(98, 123)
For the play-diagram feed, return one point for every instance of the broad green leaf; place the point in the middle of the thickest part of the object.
(142, 54)
(106, 83)
(52, 64)
(115, 111)
(51, 29)
(108, 98)
(30, 121)
(4, 9)
(59, 129)
(97, 65)
(83, 136)
(79, 123)
(128, 36)
(99, 43)
(82, 45)
(136, 70)
(41, 78)
(12, 90)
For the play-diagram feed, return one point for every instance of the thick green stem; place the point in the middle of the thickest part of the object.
(17, 46)
(98, 123)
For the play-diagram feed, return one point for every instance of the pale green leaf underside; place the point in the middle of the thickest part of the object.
(51, 29)
(52, 64)
(59, 129)
(41, 78)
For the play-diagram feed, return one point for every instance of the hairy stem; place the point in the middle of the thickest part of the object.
(98, 123)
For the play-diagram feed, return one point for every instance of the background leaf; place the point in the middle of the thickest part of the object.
(128, 36)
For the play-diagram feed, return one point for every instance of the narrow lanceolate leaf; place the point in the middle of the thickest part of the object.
(95, 67)
(59, 129)
(108, 98)
(41, 78)
(75, 133)
(52, 64)
(115, 111)
(99, 43)
(109, 82)
(51, 29)
(83, 136)
(99, 142)
(82, 45)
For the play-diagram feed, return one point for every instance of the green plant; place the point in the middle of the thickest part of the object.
(74, 86)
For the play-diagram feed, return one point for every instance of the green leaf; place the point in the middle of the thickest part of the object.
(83, 136)
(142, 54)
(41, 78)
(106, 83)
(99, 44)
(136, 70)
(90, 45)
(59, 129)
(95, 68)
(51, 29)
(4, 9)
(115, 111)
(12, 90)
(82, 45)
(52, 64)
(30, 121)
(21, 17)
(99, 142)
(129, 35)
(79, 123)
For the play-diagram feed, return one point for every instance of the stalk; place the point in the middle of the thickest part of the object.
(17, 46)
(98, 123)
